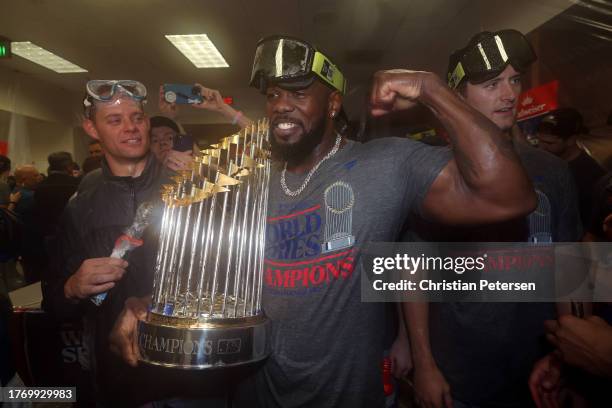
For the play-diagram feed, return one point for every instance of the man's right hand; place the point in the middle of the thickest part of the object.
(95, 275)
(123, 337)
(432, 390)
(167, 109)
(398, 89)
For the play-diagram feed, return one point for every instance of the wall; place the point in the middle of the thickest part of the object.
(24, 94)
(36, 118)
(47, 137)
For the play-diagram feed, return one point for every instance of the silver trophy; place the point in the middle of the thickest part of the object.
(206, 305)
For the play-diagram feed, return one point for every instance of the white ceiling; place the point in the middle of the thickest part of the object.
(125, 39)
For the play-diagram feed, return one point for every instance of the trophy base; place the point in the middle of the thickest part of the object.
(218, 344)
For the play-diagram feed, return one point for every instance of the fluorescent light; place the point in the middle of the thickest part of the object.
(45, 58)
(199, 50)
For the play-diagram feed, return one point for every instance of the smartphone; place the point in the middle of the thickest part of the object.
(182, 143)
(182, 94)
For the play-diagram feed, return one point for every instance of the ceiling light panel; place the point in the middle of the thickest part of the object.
(199, 50)
(47, 59)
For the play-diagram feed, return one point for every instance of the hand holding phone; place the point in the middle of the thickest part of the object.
(182, 94)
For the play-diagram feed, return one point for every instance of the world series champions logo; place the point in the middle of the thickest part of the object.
(339, 201)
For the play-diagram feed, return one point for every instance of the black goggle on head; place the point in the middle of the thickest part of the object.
(294, 64)
(487, 55)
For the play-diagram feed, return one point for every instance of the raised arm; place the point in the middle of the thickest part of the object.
(213, 101)
(485, 181)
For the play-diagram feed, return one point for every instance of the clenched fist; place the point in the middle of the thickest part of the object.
(398, 89)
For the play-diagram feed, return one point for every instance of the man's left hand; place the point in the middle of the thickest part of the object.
(584, 343)
(212, 100)
(400, 357)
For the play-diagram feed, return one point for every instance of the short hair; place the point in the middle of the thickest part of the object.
(22, 171)
(89, 111)
(93, 142)
(59, 161)
(159, 121)
(5, 164)
(563, 123)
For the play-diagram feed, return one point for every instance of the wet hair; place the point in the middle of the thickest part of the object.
(90, 111)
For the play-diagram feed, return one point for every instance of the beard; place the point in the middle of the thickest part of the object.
(297, 152)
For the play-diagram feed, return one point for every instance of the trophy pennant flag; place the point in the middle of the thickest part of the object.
(206, 305)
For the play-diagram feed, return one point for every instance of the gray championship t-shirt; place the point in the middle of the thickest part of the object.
(327, 345)
(486, 350)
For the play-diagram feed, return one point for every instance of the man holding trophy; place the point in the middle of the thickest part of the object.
(327, 197)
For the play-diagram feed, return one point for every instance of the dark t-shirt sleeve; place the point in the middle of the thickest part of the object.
(569, 224)
(420, 165)
(601, 208)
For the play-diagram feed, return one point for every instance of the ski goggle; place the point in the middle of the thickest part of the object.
(105, 90)
(285, 59)
(488, 57)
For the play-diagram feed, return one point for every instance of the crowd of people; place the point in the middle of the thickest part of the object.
(487, 185)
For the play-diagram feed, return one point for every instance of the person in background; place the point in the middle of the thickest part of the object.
(163, 133)
(10, 234)
(95, 149)
(558, 133)
(165, 130)
(50, 198)
(212, 101)
(27, 179)
(5, 190)
(579, 371)
(481, 354)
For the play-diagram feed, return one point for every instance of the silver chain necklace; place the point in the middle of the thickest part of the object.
(297, 192)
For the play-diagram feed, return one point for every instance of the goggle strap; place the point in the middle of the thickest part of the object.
(328, 72)
(455, 78)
